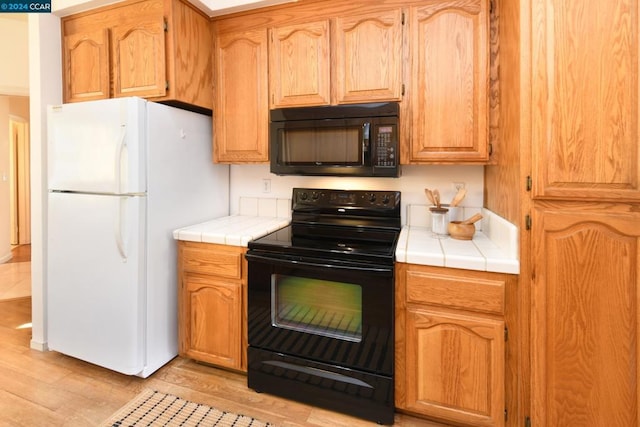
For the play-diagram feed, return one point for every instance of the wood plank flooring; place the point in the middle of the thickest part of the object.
(50, 389)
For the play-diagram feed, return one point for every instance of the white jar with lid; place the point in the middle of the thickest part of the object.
(439, 221)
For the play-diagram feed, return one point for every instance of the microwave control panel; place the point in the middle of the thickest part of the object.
(386, 146)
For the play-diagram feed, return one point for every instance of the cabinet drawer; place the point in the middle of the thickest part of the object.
(456, 291)
(217, 260)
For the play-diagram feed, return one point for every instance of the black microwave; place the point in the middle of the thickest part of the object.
(343, 140)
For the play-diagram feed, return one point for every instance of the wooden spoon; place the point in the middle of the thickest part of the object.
(458, 197)
(436, 197)
(473, 219)
(429, 194)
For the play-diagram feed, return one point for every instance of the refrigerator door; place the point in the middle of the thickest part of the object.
(97, 146)
(96, 279)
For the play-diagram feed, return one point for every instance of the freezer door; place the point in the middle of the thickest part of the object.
(97, 146)
(96, 279)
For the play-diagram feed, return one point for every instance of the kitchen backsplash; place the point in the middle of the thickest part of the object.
(247, 181)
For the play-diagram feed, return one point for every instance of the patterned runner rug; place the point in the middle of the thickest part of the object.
(152, 408)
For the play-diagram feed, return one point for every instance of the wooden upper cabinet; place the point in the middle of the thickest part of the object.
(135, 74)
(449, 56)
(367, 51)
(156, 49)
(585, 314)
(241, 113)
(86, 66)
(585, 86)
(349, 59)
(299, 64)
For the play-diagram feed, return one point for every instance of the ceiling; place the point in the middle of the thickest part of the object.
(222, 7)
(210, 7)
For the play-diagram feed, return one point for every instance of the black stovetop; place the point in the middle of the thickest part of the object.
(339, 225)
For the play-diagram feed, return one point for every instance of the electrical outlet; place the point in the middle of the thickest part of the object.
(458, 185)
(266, 185)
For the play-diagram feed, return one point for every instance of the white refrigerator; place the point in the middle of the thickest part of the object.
(122, 175)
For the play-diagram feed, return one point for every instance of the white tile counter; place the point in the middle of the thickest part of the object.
(257, 217)
(494, 246)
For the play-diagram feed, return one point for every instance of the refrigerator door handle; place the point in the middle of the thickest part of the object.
(120, 231)
(118, 160)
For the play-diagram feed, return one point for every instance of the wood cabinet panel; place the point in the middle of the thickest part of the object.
(585, 315)
(456, 367)
(214, 322)
(85, 60)
(216, 260)
(456, 290)
(367, 51)
(585, 100)
(299, 64)
(135, 73)
(241, 114)
(449, 73)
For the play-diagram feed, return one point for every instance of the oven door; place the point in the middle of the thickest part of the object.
(333, 312)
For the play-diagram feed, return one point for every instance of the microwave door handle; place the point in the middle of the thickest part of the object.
(366, 132)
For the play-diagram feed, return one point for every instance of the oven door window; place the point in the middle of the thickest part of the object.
(321, 307)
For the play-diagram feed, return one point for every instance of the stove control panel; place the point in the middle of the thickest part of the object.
(382, 200)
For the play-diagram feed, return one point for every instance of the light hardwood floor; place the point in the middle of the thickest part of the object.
(15, 274)
(50, 389)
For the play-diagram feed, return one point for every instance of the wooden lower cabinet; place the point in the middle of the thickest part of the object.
(450, 344)
(585, 314)
(212, 303)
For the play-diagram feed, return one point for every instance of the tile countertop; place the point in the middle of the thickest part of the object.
(494, 246)
(257, 217)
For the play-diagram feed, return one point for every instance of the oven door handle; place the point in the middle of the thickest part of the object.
(320, 263)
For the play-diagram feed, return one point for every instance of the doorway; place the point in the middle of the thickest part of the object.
(20, 188)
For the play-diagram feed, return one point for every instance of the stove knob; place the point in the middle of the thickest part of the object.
(372, 197)
(386, 199)
(315, 195)
(304, 196)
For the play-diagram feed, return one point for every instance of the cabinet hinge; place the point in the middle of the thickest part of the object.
(529, 183)
(402, 89)
(490, 148)
(506, 333)
(165, 25)
(527, 222)
(527, 422)
(505, 414)
(166, 85)
(402, 18)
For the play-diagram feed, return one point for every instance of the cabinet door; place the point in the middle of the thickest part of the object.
(585, 136)
(138, 55)
(368, 57)
(449, 72)
(241, 113)
(455, 366)
(212, 323)
(585, 316)
(86, 66)
(299, 65)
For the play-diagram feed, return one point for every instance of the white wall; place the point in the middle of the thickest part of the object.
(246, 180)
(14, 46)
(14, 80)
(5, 194)
(45, 81)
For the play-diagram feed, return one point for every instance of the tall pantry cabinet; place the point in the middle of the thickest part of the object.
(570, 98)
